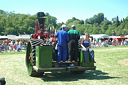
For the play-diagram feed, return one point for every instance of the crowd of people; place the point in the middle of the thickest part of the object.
(109, 42)
(12, 45)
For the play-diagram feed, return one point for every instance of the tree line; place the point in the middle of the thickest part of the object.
(15, 23)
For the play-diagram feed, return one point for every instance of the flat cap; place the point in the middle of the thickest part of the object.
(63, 26)
(73, 26)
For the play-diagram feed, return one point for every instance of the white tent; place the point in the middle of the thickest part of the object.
(82, 36)
(114, 36)
(3, 37)
(23, 37)
(126, 36)
(99, 36)
(12, 37)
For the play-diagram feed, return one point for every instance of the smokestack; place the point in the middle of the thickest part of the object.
(41, 18)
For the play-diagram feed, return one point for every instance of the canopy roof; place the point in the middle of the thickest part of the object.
(99, 36)
(3, 37)
(126, 36)
(14, 37)
(23, 37)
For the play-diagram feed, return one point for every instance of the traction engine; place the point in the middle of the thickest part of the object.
(41, 57)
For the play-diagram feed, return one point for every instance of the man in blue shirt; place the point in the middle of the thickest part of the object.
(63, 40)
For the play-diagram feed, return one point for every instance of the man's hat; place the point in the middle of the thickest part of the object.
(63, 26)
(73, 26)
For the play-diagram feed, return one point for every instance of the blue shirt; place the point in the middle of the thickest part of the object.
(18, 47)
(63, 38)
(86, 43)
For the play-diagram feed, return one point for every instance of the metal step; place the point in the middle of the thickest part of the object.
(63, 64)
(68, 68)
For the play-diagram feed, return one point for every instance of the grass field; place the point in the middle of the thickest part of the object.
(112, 69)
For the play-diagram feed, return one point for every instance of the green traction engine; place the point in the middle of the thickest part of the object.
(41, 57)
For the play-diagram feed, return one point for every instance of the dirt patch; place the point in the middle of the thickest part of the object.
(123, 62)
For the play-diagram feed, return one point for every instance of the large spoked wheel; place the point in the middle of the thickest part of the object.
(30, 57)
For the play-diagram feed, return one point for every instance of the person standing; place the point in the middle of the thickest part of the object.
(73, 43)
(63, 40)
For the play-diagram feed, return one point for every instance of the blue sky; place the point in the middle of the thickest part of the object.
(66, 9)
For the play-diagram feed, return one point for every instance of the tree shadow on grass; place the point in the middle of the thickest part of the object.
(66, 76)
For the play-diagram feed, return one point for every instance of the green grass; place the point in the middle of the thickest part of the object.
(108, 72)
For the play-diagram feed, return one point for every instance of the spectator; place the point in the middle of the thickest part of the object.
(2, 48)
(100, 42)
(16, 42)
(10, 47)
(6, 47)
(125, 43)
(117, 42)
(19, 47)
(122, 43)
(14, 47)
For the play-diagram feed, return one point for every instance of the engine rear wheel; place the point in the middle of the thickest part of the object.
(31, 56)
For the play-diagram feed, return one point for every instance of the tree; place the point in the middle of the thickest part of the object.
(50, 22)
(12, 23)
(89, 21)
(117, 21)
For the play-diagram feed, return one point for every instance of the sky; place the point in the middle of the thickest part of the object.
(66, 9)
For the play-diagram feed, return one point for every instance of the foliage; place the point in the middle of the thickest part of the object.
(12, 23)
